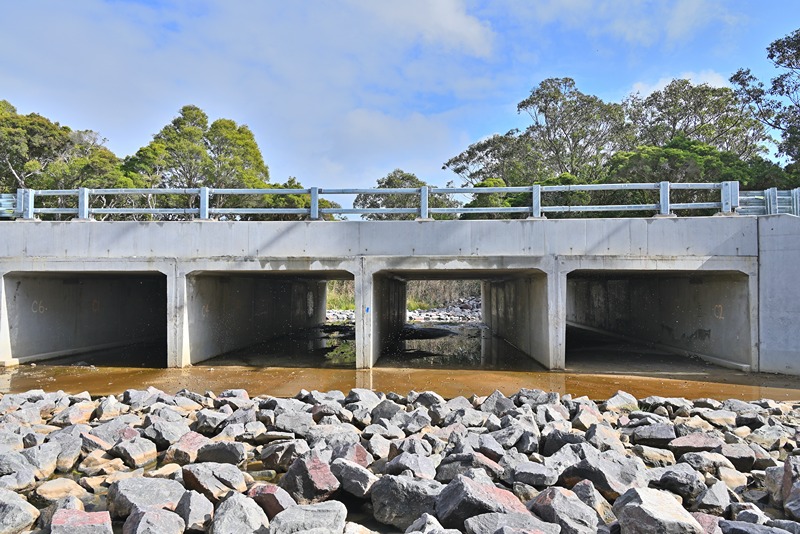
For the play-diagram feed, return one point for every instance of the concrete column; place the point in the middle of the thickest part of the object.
(366, 351)
(520, 311)
(557, 327)
(6, 359)
(178, 346)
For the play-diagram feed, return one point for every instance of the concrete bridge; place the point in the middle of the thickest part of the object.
(724, 288)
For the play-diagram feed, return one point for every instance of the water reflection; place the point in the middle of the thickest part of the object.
(440, 357)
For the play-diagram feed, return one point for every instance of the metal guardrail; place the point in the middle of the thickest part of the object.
(8, 206)
(198, 201)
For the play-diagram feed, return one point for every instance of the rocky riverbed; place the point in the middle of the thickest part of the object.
(364, 461)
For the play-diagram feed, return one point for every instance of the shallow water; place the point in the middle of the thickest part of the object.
(452, 365)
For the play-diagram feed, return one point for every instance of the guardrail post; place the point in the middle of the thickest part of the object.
(314, 203)
(728, 191)
(663, 198)
(423, 202)
(83, 203)
(204, 197)
(796, 201)
(771, 200)
(536, 201)
(28, 203)
(18, 207)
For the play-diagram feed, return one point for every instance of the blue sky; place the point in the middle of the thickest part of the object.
(339, 93)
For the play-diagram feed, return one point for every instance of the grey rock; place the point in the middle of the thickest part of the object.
(223, 452)
(535, 474)
(680, 479)
(136, 452)
(497, 404)
(309, 479)
(280, 455)
(612, 475)
(126, 494)
(271, 498)
(741, 527)
(463, 498)
(43, 458)
(16, 474)
(16, 514)
(658, 435)
(713, 500)
(588, 494)
(386, 409)
(208, 421)
(354, 478)
(492, 522)
(164, 433)
(420, 466)
(153, 521)
(195, 510)
(296, 422)
(645, 510)
(400, 500)
(563, 507)
(455, 464)
(213, 480)
(239, 514)
(327, 516)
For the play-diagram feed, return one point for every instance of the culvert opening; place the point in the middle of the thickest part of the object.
(475, 319)
(274, 319)
(654, 321)
(97, 318)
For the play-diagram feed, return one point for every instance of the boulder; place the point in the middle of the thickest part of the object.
(150, 520)
(16, 514)
(492, 522)
(195, 510)
(127, 494)
(184, 451)
(563, 507)
(645, 510)
(463, 498)
(271, 498)
(354, 478)
(214, 480)
(239, 514)
(136, 452)
(400, 500)
(66, 521)
(326, 517)
(223, 452)
(309, 479)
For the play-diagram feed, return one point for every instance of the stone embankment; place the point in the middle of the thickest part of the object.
(534, 462)
(467, 309)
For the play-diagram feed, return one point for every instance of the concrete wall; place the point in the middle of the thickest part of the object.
(364, 249)
(50, 315)
(704, 314)
(516, 310)
(229, 312)
(779, 293)
(389, 299)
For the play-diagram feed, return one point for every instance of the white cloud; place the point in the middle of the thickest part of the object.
(708, 77)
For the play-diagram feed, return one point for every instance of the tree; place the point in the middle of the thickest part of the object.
(574, 133)
(777, 105)
(571, 133)
(398, 179)
(188, 153)
(712, 115)
(508, 158)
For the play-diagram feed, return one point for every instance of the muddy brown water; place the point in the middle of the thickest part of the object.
(454, 365)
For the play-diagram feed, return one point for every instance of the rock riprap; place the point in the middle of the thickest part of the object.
(364, 461)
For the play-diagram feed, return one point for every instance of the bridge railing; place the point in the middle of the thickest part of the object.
(197, 202)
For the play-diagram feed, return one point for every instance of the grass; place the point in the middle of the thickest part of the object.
(421, 294)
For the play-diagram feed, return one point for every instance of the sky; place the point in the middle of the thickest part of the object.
(340, 93)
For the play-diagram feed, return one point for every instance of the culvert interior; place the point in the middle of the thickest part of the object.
(707, 314)
(104, 318)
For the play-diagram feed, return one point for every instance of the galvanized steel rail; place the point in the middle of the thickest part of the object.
(198, 201)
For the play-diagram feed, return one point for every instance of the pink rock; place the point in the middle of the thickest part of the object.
(271, 498)
(66, 521)
(184, 451)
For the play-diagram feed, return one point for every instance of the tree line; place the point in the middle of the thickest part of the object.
(685, 132)
(681, 133)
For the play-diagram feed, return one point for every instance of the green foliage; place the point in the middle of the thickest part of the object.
(398, 179)
(508, 158)
(711, 115)
(777, 105)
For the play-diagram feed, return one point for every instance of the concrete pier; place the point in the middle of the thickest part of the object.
(710, 286)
